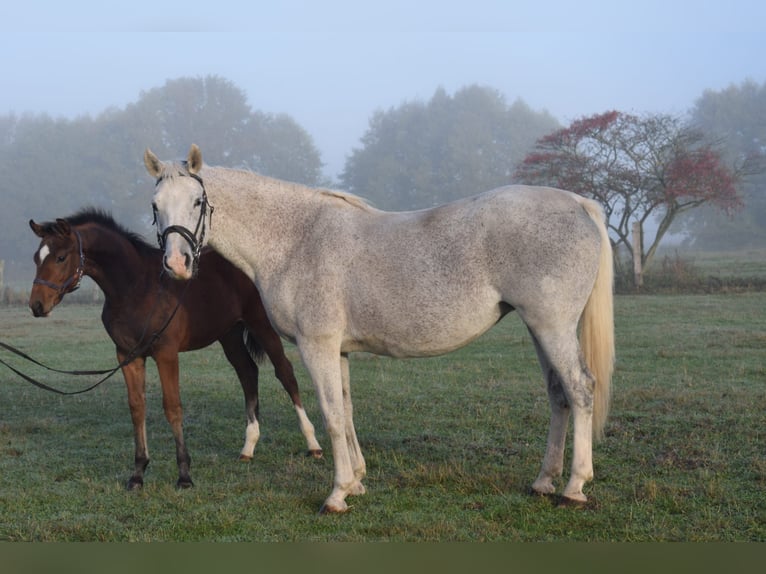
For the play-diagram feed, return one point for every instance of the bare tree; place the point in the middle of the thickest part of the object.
(638, 168)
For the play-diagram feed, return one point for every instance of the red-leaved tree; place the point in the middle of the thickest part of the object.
(641, 169)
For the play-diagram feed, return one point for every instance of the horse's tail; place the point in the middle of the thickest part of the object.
(597, 324)
(255, 349)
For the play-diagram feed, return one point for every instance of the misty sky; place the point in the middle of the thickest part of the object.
(330, 64)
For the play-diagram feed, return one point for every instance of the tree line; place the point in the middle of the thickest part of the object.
(51, 168)
(416, 155)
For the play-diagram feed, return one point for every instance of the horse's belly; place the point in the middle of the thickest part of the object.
(422, 335)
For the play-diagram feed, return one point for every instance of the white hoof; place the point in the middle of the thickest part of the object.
(333, 507)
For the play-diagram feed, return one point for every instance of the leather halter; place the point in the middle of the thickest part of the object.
(190, 236)
(73, 283)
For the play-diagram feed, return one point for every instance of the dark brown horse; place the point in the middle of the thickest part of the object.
(221, 304)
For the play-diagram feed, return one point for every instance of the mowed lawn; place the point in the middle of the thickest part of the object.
(452, 443)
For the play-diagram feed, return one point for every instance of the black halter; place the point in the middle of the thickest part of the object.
(73, 283)
(190, 236)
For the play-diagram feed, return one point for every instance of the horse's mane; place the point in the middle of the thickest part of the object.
(349, 198)
(103, 218)
(173, 169)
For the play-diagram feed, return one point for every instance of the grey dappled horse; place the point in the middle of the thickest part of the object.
(338, 276)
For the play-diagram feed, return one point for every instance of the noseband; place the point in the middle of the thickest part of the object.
(190, 236)
(73, 283)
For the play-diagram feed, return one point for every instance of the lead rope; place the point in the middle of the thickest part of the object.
(132, 355)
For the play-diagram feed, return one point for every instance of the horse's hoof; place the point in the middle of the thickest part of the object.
(315, 453)
(569, 502)
(334, 508)
(543, 487)
(135, 484)
(184, 483)
(245, 458)
(539, 493)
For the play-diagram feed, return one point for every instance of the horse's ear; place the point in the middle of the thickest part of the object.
(194, 161)
(36, 228)
(63, 227)
(152, 163)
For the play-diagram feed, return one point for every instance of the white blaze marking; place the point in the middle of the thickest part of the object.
(43, 253)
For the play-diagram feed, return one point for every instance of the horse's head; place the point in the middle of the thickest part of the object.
(180, 211)
(60, 265)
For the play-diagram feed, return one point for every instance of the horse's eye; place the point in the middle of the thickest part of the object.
(197, 202)
(61, 258)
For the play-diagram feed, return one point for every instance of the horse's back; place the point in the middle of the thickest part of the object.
(507, 237)
(435, 279)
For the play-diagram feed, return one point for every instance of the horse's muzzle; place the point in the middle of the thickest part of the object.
(38, 310)
(179, 265)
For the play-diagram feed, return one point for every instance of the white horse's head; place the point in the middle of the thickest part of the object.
(180, 211)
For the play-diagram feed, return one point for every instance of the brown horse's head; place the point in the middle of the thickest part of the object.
(60, 265)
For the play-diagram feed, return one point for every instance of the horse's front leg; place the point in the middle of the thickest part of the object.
(355, 451)
(323, 363)
(135, 381)
(167, 366)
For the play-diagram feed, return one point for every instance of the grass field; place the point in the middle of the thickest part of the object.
(452, 443)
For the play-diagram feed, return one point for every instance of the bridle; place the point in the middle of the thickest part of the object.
(71, 284)
(190, 236)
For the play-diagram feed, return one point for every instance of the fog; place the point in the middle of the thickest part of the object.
(331, 64)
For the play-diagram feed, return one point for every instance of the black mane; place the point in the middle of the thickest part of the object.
(105, 219)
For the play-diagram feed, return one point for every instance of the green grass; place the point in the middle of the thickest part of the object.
(741, 263)
(452, 443)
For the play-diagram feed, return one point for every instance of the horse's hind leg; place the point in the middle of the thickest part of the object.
(135, 381)
(237, 354)
(167, 366)
(569, 383)
(553, 461)
(260, 328)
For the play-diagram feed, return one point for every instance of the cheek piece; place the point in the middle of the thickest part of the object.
(73, 283)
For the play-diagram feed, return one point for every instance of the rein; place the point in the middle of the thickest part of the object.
(132, 355)
(73, 283)
(188, 235)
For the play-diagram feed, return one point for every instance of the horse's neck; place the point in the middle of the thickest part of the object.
(112, 262)
(259, 240)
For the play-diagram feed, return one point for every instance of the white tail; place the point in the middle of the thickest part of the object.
(597, 325)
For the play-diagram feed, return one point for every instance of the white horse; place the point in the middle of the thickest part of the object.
(338, 276)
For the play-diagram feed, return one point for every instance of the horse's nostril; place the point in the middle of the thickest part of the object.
(187, 260)
(37, 308)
